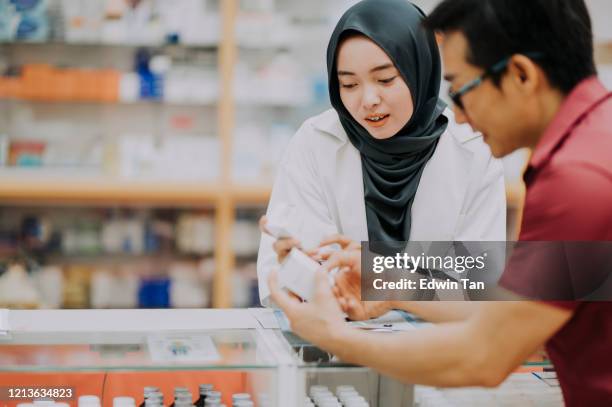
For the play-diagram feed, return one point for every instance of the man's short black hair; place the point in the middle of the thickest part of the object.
(496, 29)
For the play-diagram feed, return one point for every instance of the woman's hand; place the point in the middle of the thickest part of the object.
(345, 243)
(282, 246)
(347, 288)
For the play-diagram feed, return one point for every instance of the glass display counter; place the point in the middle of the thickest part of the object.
(117, 353)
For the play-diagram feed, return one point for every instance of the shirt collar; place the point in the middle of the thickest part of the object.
(581, 100)
(328, 122)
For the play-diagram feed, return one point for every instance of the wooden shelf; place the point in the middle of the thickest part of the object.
(56, 190)
(251, 194)
(97, 103)
(209, 46)
(30, 188)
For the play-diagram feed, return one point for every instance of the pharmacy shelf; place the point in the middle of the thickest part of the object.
(208, 46)
(31, 189)
(140, 102)
(280, 105)
(257, 194)
(105, 190)
(18, 187)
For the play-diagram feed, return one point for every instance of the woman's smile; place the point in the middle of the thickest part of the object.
(377, 120)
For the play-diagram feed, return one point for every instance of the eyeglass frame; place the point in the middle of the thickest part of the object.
(492, 70)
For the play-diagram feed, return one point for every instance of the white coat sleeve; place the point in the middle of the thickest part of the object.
(297, 188)
(484, 219)
(484, 216)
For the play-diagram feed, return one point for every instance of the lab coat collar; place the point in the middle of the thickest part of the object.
(329, 122)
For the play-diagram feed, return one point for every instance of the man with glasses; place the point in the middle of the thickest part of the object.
(522, 73)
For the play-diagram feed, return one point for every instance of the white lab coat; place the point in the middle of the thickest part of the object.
(461, 195)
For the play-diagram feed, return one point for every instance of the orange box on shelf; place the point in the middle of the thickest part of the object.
(109, 85)
(46, 83)
(72, 78)
(90, 85)
(79, 85)
(36, 79)
(63, 85)
(10, 87)
(97, 78)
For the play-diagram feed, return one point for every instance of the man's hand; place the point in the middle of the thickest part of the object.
(318, 321)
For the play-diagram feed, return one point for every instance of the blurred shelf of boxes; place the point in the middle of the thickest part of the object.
(112, 257)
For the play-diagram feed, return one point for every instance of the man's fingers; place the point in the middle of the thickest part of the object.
(355, 309)
(294, 296)
(322, 284)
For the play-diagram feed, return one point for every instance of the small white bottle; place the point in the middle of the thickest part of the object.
(88, 401)
(124, 402)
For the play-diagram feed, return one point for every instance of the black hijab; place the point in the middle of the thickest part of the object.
(392, 168)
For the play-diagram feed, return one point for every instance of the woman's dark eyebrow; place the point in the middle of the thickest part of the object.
(375, 69)
(381, 67)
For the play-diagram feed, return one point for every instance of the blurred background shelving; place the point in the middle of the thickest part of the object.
(139, 141)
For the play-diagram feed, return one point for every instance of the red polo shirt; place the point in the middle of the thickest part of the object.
(569, 197)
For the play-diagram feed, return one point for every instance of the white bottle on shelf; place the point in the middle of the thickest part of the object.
(124, 402)
(88, 401)
(17, 290)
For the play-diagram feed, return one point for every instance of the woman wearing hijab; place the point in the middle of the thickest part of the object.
(388, 162)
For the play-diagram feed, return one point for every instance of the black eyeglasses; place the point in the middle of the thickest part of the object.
(493, 70)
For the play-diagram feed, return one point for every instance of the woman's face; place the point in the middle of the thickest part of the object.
(371, 88)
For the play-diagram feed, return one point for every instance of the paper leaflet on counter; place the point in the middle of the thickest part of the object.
(392, 321)
(187, 348)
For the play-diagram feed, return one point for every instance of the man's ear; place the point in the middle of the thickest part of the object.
(523, 73)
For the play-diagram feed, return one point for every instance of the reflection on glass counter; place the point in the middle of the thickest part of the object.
(105, 351)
